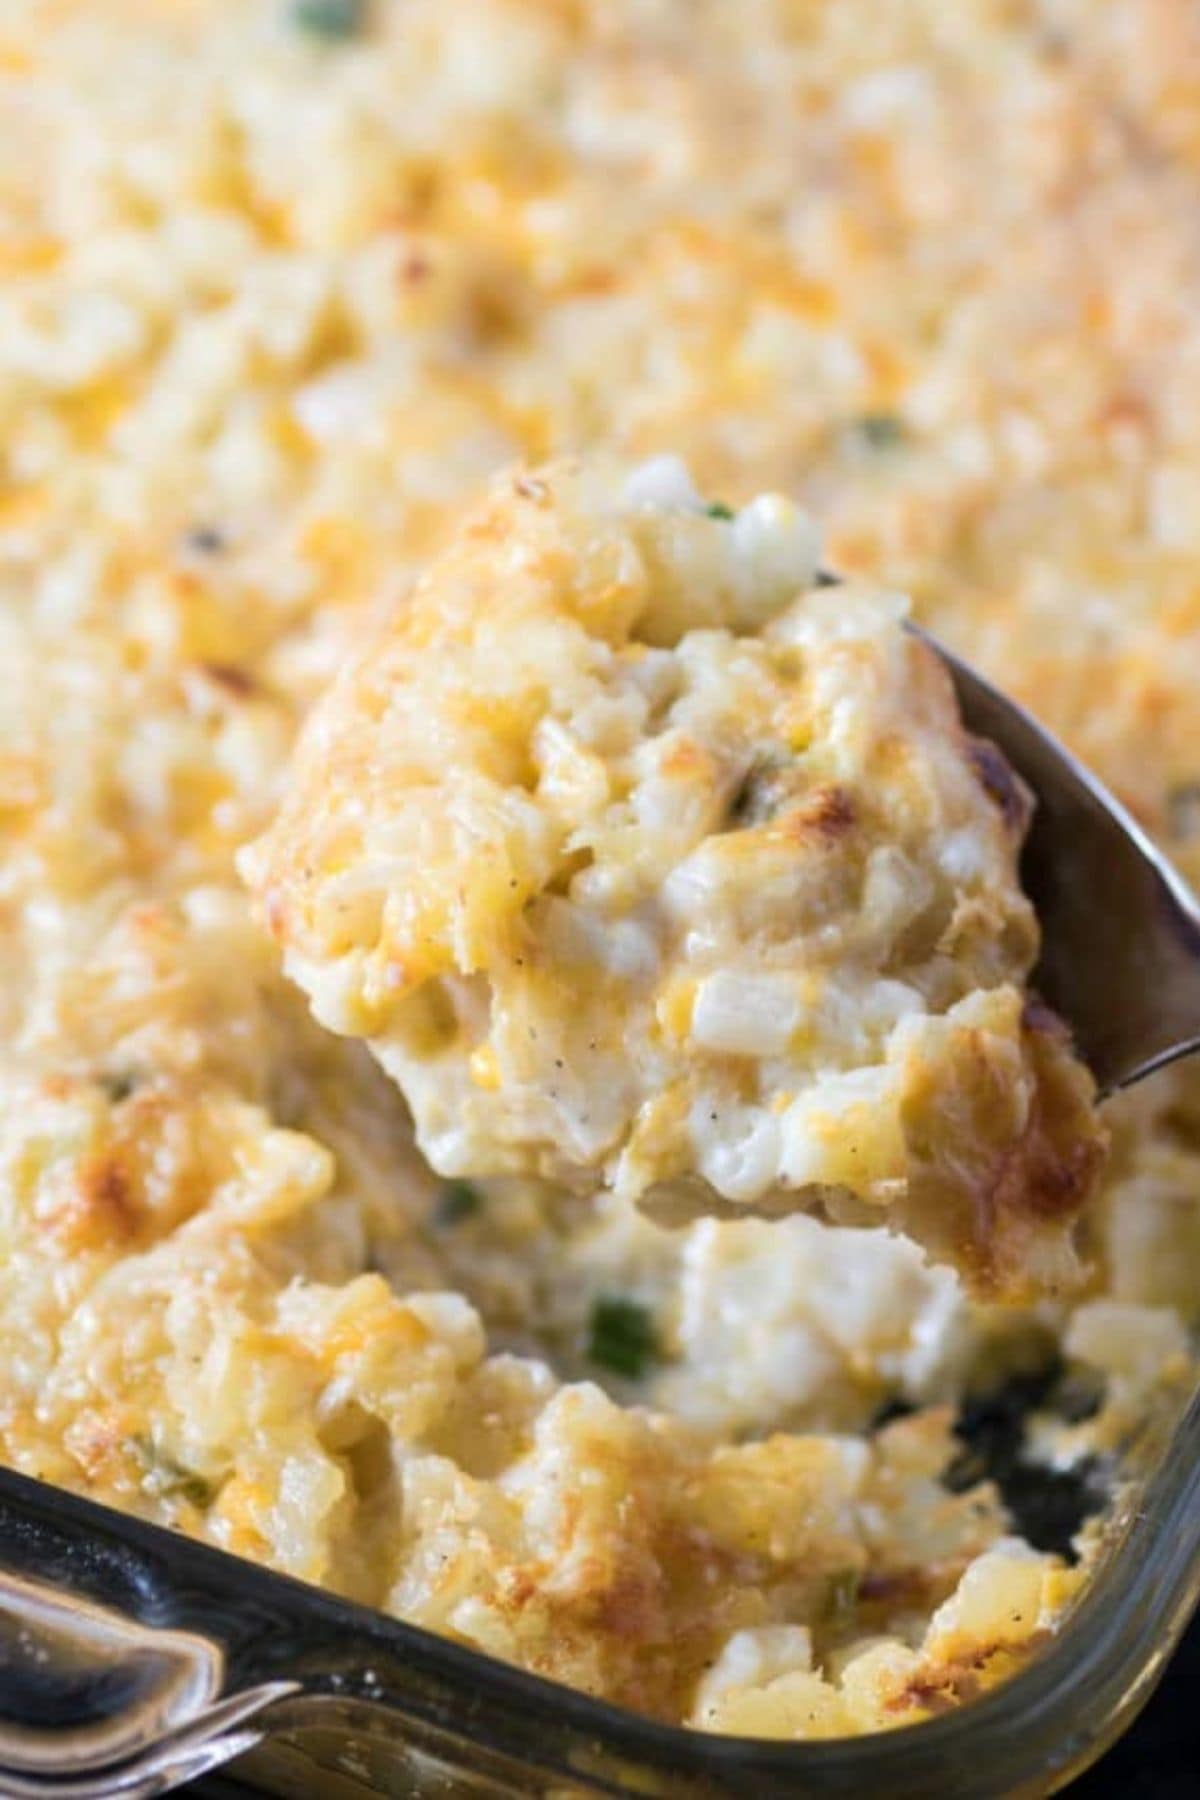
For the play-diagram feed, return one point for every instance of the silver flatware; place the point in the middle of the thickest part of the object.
(1120, 957)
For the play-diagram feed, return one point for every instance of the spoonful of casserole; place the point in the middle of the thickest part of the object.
(645, 856)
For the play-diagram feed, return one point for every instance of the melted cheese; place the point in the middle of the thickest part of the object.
(272, 309)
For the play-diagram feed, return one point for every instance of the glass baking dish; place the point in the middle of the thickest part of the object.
(132, 1659)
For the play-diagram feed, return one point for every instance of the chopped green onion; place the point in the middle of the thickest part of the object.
(193, 1487)
(719, 510)
(118, 1084)
(622, 1336)
(459, 1201)
(167, 1478)
(879, 431)
(761, 791)
(332, 19)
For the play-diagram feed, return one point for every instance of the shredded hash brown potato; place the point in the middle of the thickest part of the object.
(639, 858)
(274, 307)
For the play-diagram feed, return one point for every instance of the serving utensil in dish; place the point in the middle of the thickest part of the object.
(1120, 957)
(132, 1660)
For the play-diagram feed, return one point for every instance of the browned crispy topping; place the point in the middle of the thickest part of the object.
(1000, 784)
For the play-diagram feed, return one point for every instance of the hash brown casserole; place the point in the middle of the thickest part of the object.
(282, 285)
(642, 859)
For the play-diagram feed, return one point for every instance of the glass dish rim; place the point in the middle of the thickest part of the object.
(1030, 1734)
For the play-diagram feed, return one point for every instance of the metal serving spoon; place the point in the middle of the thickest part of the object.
(1120, 959)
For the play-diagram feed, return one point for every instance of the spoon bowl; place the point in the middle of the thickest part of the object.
(1120, 955)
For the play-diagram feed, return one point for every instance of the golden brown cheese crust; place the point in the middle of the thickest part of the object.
(638, 857)
(933, 269)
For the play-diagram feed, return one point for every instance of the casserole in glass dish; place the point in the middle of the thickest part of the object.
(283, 288)
(134, 1660)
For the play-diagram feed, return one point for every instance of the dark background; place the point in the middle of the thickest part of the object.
(1159, 1759)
